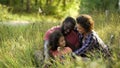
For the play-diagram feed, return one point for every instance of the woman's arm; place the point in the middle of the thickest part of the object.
(88, 42)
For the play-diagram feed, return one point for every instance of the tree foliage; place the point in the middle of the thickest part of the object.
(98, 5)
(60, 8)
(48, 7)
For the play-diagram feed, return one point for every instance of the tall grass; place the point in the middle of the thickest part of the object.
(18, 42)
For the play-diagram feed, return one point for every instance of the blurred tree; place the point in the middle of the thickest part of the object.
(22, 2)
(28, 6)
(49, 7)
(98, 5)
(36, 2)
(64, 3)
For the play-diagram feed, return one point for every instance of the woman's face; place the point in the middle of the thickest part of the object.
(62, 42)
(80, 29)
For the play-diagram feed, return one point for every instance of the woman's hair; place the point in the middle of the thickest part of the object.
(54, 39)
(86, 22)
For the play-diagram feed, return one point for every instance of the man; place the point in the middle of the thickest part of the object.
(69, 32)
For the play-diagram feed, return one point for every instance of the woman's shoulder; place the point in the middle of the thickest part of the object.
(92, 34)
(95, 35)
(97, 38)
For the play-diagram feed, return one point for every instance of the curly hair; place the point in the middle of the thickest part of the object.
(54, 40)
(86, 22)
(69, 20)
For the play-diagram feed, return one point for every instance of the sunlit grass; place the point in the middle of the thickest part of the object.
(18, 43)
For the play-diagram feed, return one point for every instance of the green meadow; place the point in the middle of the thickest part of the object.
(19, 41)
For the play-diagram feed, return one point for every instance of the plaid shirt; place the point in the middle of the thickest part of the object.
(91, 42)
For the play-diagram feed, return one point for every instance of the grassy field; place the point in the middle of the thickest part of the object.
(19, 42)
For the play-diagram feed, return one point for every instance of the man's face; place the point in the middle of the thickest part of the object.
(67, 28)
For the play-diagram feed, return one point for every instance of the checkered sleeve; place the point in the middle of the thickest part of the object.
(85, 45)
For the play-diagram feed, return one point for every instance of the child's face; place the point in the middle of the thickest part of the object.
(62, 41)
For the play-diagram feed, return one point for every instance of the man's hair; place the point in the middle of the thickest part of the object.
(86, 22)
(68, 20)
(54, 39)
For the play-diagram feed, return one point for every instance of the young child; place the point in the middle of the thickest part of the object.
(58, 47)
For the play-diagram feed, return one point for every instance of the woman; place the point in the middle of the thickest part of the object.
(91, 42)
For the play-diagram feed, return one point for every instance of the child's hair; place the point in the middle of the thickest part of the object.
(54, 40)
(86, 22)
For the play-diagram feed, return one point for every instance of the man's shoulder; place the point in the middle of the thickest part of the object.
(54, 28)
(49, 31)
